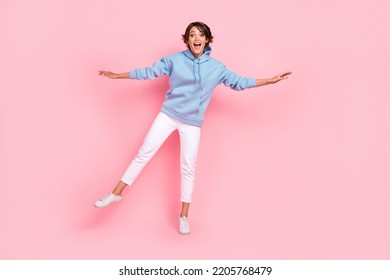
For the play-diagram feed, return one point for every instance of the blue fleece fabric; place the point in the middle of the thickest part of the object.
(191, 83)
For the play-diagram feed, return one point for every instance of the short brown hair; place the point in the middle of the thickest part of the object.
(202, 27)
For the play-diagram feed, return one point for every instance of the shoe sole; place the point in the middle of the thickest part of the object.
(96, 206)
(106, 205)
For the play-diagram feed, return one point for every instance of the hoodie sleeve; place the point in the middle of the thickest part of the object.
(158, 69)
(236, 82)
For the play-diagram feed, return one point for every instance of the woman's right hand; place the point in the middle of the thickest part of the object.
(108, 74)
(112, 75)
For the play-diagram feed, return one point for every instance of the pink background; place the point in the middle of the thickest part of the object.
(296, 170)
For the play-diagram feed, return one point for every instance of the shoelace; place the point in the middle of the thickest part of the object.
(184, 223)
(106, 197)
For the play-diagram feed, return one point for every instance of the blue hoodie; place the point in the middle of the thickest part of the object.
(191, 83)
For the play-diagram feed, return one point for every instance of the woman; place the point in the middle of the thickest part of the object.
(193, 76)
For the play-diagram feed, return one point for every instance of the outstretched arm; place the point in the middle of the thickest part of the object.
(158, 69)
(114, 75)
(273, 80)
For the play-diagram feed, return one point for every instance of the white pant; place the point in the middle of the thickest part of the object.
(162, 127)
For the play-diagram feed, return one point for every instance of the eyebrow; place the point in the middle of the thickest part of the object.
(195, 31)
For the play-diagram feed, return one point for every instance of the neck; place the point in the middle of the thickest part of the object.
(197, 55)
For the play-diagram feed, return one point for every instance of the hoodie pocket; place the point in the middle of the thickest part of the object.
(183, 103)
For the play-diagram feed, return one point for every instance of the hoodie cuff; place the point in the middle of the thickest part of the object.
(251, 83)
(132, 75)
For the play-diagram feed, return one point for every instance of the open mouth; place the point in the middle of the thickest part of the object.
(197, 45)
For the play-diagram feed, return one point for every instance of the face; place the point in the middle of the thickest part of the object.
(196, 41)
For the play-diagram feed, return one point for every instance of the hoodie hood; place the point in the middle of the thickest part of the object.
(196, 62)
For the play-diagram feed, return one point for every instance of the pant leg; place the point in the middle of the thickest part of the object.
(189, 145)
(162, 127)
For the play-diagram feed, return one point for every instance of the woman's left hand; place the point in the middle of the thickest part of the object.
(281, 76)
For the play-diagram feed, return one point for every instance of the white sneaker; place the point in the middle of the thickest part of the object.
(184, 227)
(107, 200)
